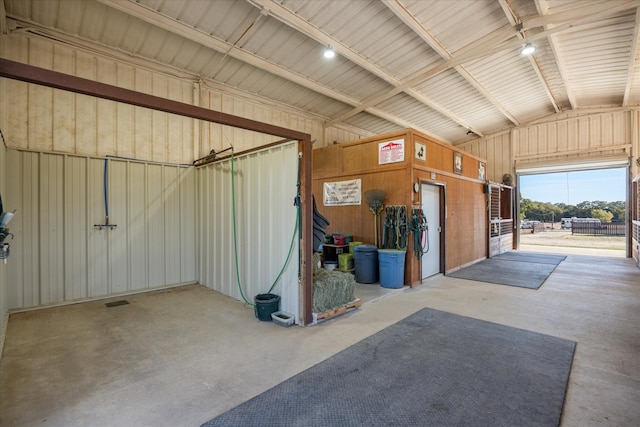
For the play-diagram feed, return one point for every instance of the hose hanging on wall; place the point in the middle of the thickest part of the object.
(420, 229)
(235, 236)
(105, 179)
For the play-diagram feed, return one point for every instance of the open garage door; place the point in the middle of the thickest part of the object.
(619, 167)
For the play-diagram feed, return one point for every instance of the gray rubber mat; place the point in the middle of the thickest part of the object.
(533, 257)
(431, 369)
(522, 269)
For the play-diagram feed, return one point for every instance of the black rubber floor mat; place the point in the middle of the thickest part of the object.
(431, 369)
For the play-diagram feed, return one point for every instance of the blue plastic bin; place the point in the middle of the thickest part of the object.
(391, 268)
(365, 260)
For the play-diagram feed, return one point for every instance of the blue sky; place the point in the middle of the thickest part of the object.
(572, 188)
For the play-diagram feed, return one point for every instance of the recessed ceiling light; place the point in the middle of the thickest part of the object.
(329, 53)
(528, 49)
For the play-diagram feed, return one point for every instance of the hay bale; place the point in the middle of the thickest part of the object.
(332, 289)
(317, 262)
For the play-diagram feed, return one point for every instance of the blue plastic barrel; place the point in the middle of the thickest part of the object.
(365, 260)
(391, 268)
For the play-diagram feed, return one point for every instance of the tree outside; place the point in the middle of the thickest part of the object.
(544, 211)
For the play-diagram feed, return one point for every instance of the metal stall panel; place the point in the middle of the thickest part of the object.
(59, 255)
(51, 216)
(172, 233)
(97, 260)
(75, 226)
(265, 187)
(137, 241)
(188, 236)
(118, 251)
(24, 266)
(155, 226)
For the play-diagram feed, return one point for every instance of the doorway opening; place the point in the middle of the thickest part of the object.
(432, 206)
(574, 209)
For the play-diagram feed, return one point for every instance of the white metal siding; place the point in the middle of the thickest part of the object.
(265, 187)
(58, 255)
(596, 134)
(567, 139)
(496, 149)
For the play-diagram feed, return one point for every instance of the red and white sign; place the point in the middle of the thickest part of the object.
(391, 152)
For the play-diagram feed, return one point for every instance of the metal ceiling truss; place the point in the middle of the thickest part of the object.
(544, 26)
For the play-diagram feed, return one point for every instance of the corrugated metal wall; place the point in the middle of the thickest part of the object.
(572, 137)
(497, 150)
(44, 119)
(58, 255)
(265, 187)
(562, 139)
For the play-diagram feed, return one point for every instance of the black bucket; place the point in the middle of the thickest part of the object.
(264, 305)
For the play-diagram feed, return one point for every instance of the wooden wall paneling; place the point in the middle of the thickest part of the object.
(327, 161)
(465, 224)
(358, 157)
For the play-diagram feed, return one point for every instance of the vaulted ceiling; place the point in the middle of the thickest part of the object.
(449, 68)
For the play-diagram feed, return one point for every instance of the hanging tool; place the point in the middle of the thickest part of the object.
(375, 199)
(395, 228)
(210, 157)
(420, 229)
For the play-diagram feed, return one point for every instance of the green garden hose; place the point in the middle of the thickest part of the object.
(235, 238)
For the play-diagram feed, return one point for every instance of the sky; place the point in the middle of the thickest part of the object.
(571, 188)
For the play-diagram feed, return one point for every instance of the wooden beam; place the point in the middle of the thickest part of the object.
(41, 76)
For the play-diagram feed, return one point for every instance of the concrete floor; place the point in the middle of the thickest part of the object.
(180, 357)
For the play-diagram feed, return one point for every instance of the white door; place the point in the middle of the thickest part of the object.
(431, 207)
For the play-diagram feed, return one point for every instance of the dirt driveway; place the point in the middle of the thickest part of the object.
(557, 238)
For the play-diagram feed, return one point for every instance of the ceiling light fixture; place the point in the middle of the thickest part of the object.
(528, 49)
(329, 53)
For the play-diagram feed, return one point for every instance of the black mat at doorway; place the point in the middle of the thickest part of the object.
(522, 269)
(431, 369)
